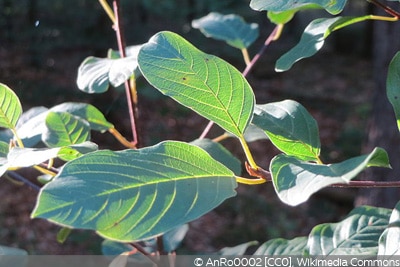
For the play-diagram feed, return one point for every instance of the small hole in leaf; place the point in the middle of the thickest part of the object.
(184, 78)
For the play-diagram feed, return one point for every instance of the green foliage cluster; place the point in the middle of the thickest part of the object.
(147, 193)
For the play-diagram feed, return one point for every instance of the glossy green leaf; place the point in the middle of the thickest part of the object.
(333, 7)
(205, 83)
(389, 242)
(229, 28)
(313, 39)
(64, 129)
(283, 17)
(295, 181)
(220, 153)
(96, 74)
(31, 126)
(87, 112)
(10, 107)
(393, 86)
(282, 247)
(133, 195)
(290, 128)
(357, 234)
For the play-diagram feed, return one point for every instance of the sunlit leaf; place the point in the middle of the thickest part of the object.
(229, 28)
(313, 39)
(205, 83)
(290, 128)
(10, 107)
(389, 242)
(64, 129)
(295, 181)
(358, 234)
(333, 7)
(393, 86)
(283, 247)
(136, 194)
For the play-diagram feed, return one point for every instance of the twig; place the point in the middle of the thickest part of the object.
(387, 9)
(141, 250)
(266, 175)
(17, 176)
(128, 90)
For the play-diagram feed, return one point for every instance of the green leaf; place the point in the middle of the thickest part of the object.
(87, 112)
(393, 86)
(205, 83)
(220, 153)
(295, 181)
(313, 39)
(229, 28)
(389, 242)
(10, 107)
(358, 234)
(283, 247)
(290, 128)
(95, 74)
(283, 17)
(333, 7)
(64, 129)
(134, 195)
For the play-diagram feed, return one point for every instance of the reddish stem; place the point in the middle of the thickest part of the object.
(128, 90)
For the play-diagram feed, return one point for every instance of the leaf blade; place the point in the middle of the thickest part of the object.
(290, 128)
(206, 84)
(132, 194)
(64, 129)
(295, 181)
(10, 107)
(313, 39)
(357, 234)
